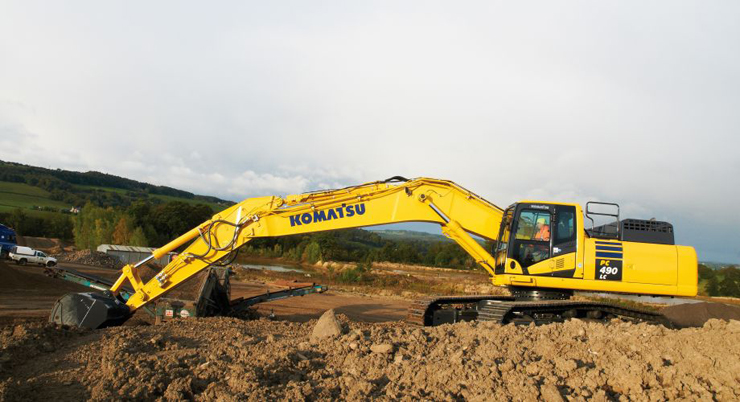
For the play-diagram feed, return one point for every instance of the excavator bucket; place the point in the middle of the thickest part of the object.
(89, 310)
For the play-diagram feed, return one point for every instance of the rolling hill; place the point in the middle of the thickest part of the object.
(41, 191)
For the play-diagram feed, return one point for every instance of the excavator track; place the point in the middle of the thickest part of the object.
(505, 310)
(544, 312)
(421, 312)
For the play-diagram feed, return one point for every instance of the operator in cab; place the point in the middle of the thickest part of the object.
(543, 230)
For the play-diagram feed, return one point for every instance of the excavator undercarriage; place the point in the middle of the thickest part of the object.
(507, 309)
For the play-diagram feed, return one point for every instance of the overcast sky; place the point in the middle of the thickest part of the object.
(632, 102)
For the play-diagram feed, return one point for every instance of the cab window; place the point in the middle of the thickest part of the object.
(503, 237)
(532, 238)
(533, 225)
(565, 226)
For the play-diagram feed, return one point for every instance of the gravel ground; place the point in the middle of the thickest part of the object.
(230, 359)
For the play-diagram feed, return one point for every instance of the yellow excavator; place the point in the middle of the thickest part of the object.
(543, 252)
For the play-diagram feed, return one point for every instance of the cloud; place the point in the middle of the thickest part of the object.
(624, 102)
(251, 182)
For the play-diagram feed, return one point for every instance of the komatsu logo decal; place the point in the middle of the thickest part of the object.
(345, 211)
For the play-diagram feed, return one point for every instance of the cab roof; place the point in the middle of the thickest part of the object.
(546, 203)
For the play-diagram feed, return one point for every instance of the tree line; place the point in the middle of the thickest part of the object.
(359, 246)
(58, 226)
(721, 282)
(141, 224)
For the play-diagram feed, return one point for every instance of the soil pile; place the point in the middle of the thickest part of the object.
(696, 314)
(230, 359)
(48, 245)
(26, 341)
(87, 257)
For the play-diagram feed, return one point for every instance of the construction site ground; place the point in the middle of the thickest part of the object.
(30, 295)
(376, 355)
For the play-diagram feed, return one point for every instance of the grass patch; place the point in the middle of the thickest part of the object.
(23, 188)
(24, 196)
(31, 212)
(108, 189)
(165, 198)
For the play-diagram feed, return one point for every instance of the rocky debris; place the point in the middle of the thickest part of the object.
(88, 257)
(550, 393)
(697, 314)
(230, 359)
(327, 326)
(24, 342)
(382, 348)
(734, 326)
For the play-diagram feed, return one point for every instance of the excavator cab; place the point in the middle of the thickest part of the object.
(538, 238)
(545, 245)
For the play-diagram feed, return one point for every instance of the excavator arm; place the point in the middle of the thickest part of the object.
(458, 211)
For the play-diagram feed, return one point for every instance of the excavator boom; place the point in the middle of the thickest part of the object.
(377, 203)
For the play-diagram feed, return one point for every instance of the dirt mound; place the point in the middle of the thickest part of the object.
(48, 245)
(230, 359)
(56, 250)
(32, 279)
(87, 257)
(696, 314)
(19, 343)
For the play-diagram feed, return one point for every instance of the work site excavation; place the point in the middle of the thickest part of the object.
(285, 298)
(353, 201)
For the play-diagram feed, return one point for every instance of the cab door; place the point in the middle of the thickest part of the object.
(545, 240)
(565, 242)
(40, 257)
(531, 244)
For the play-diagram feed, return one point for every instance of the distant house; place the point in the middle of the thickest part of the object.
(74, 210)
(133, 254)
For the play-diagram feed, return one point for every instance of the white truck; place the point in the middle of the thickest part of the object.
(25, 255)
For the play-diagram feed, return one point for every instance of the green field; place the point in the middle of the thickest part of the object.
(109, 189)
(32, 212)
(24, 196)
(165, 198)
(30, 198)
